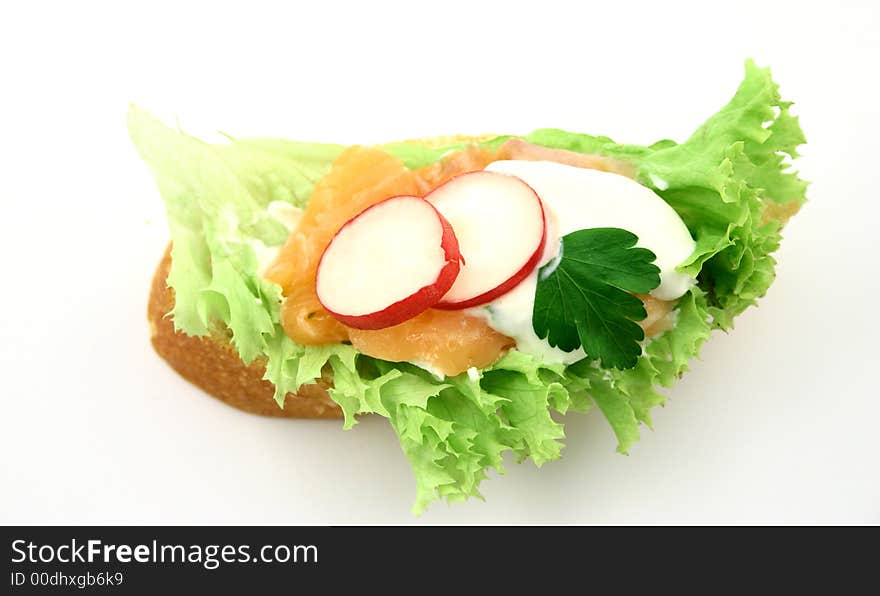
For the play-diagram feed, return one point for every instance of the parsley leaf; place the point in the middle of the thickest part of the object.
(584, 296)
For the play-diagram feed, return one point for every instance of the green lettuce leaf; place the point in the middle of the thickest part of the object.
(453, 431)
(724, 182)
(217, 199)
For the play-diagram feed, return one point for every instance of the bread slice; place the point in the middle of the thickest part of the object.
(212, 364)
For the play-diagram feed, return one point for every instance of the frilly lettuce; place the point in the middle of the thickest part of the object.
(728, 182)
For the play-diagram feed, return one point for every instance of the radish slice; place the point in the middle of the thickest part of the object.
(500, 225)
(391, 262)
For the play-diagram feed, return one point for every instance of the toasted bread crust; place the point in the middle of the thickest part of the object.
(212, 364)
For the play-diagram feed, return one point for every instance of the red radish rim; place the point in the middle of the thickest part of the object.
(515, 279)
(415, 303)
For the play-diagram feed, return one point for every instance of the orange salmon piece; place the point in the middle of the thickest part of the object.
(446, 340)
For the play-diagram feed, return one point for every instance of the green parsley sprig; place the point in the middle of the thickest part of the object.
(584, 297)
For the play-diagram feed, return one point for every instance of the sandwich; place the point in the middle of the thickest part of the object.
(469, 289)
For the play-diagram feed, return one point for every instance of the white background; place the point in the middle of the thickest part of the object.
(777, 423)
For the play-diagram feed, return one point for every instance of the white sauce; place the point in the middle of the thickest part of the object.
(266, 255)
(435, 372)
(575, 199)
(288, 216)
(285, 213)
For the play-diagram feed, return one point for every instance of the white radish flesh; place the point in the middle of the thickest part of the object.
(388, 264)
(500, 225)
